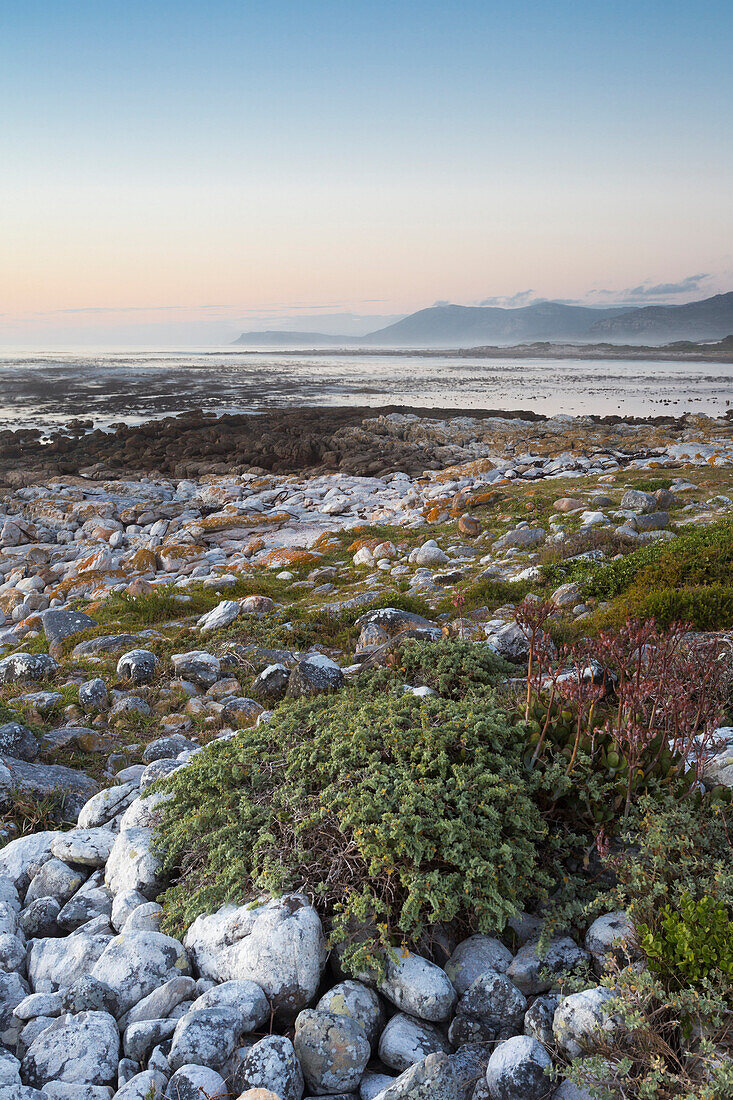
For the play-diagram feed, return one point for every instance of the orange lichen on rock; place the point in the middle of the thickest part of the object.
(91, 583)
(359, 544)
(223, 521)
(437, 513)
(465, 469)
(143, 561)
(283, 556)
(254, 546)
(326, 542)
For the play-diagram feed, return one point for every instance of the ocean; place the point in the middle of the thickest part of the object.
(47, 389)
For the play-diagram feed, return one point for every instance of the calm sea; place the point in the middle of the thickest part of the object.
(47, 389)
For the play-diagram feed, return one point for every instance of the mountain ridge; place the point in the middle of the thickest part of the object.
(463, 326)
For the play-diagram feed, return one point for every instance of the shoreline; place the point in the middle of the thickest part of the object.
(356, 440)
(682, 352)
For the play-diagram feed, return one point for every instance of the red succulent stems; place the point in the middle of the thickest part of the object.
(658, 693)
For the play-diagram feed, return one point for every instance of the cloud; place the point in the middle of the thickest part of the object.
(521, 298)
(652, 292)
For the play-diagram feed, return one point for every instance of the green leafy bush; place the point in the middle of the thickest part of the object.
(453, 667)
(700, 557)
(706, 607)
(673, 875)
(691, 942)
(390, 812)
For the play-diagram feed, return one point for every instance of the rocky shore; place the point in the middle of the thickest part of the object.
(360, 441)
(163, 589)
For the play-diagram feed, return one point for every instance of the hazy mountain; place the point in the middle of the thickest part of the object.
(454, 326)
(710, 319)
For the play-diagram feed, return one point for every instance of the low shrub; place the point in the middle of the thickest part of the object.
(691, 943)
(706, 607)
(453, 667)
(673, 872)
(391, 812)
(698, 558)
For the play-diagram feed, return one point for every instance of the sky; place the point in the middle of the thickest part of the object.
(181, 171)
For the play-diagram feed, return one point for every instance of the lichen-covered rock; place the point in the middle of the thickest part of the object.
(437, 1077)
(102, 808)
(194, 1082)
(88, 847)
(60, 625)
(406, 1041)
(357, 1001)
(82, 1049)
(580, 1019)
(418, 987)
(634, 500)
(160, 1003)
(61, 962)
(17, 857)
(611, 936)
(517, 1070)
(539, 1016)
(24, 668)
(332, 1050)
(494, 1004)
(132, 863)
(93, 695)
(136, 964)
(316, 674)
(73, 788)
(473, 957)
(142, 1086)
(201, 668)
(18, 741)
(279, 945)
(272, 1063)
(532, 972)
(138, 666)
(219, 617)
(13, 990)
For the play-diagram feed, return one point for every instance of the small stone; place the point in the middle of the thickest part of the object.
(272, 1063)
(518, 1070)
(406, 1041)
(580, 1019)
(137, 963)
(418, 987)
(18, 741)
(611, 937)
(202, 669)
(314, 675)
(195, 1082)
(529, 967)
(137, 667)
(357, 1001)
(93, 695)
(634, 500)
(81, 1049)
(473, 957)
(469, 526)
(332, 1050)
(58, 626)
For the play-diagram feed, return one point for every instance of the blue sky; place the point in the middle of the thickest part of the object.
(223, 163)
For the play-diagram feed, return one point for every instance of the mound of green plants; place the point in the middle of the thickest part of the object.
(455, 668)
(673, 876)
(697, 559)
(689, 578)
(391, 812)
